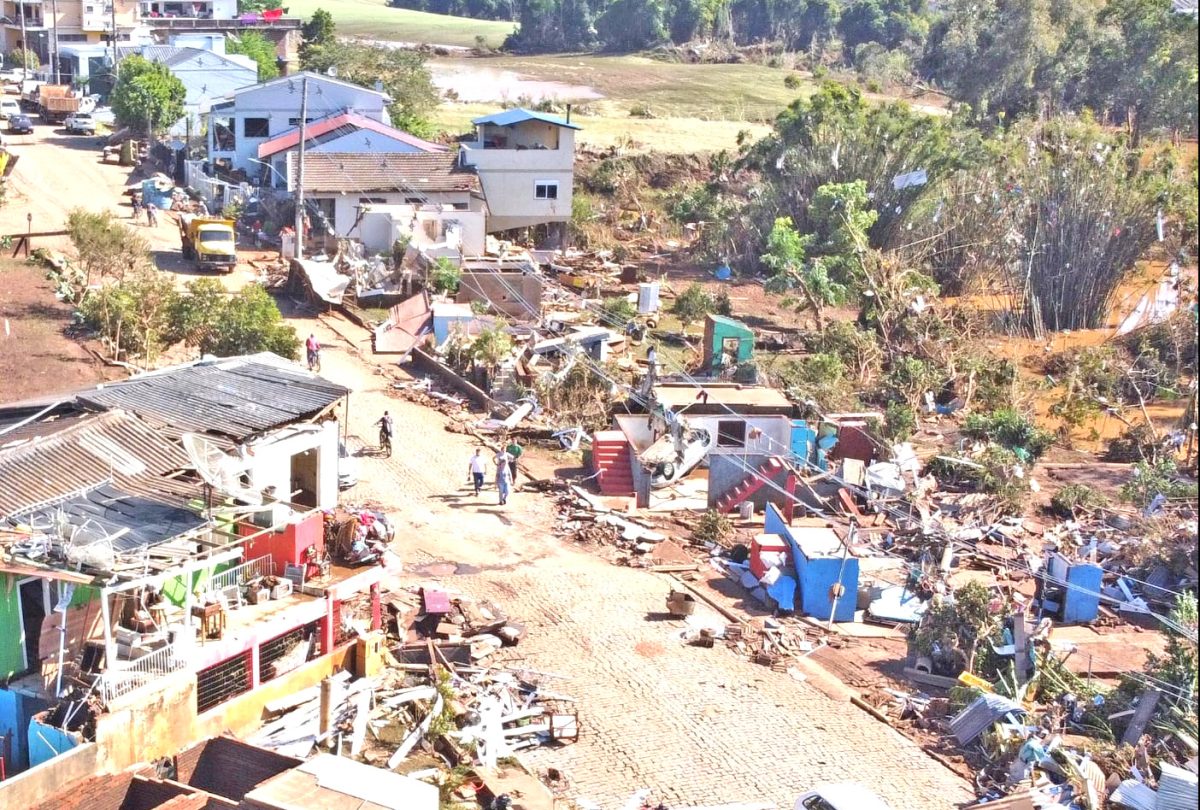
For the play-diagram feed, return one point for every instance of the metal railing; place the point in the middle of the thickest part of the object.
(241, 574)
(124, 677)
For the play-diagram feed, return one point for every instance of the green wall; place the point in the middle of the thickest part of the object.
(11, 659)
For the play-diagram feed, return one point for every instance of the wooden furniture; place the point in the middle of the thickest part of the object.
(212, 620)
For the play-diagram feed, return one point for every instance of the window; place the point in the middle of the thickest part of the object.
(545, 190)
(256, 127)
(731, 433)
(372, 200)
(295, 122)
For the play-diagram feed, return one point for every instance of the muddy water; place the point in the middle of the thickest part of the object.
(485, 85)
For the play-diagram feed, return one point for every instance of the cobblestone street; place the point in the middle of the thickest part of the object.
(696, 726)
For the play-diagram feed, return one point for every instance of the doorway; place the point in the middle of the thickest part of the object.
(304, 478)
(33, 597)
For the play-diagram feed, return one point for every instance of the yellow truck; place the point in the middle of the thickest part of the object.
(209, 242)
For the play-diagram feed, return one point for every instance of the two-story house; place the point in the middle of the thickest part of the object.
(251, 116)
(526, 164)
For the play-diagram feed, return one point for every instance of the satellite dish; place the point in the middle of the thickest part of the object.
(220, 470)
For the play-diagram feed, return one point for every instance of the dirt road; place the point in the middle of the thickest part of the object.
(696, 726)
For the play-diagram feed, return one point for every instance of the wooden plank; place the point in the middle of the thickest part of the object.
(1141, 716)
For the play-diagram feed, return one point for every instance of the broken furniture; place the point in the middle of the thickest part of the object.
(212, 620)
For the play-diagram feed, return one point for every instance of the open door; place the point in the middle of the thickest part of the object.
(33, 610)
(304, 477)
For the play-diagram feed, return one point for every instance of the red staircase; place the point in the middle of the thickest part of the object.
(753, 482)
(611, 459)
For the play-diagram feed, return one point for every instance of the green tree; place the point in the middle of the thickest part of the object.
(319, 30)
(105, 248)
(258, 48)
(617, 311)
(404, 76)
(631, 25)
(491, 347)
(133, 316)
(20, 57)
(692, 304)
(444, 277)
(792, 270)
(147, 97)
(246, 322)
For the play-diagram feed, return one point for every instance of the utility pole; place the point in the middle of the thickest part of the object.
(299, 254)
(24, 48)
(112, 8)
(54, 42)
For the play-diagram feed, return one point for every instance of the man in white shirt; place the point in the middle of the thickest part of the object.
(477, 468)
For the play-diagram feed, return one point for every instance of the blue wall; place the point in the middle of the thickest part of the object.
(47, 742)
(1081, 603)
(16, 713)
(817, 575)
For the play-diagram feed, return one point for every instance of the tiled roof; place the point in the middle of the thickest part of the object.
(343, 122)
(340, 172)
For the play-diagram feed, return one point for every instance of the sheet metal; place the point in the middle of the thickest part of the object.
(1134, 795)
(82, 454)
(980, 715)
(134, 522)
(1177, 788)
(235, 397)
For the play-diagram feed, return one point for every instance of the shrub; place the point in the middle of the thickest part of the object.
(1072, 499)
(444, 277)
(105, 247)
(994, 472)
(692, 305)
(640, 110)
(1139, 442)
(1150, 479)
(218, 323)
(722, 305)
(617, 311)
(1012, 430)
(899, 421)
(792, 81)
(713, 527)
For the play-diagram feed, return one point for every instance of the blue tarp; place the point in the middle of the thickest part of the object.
(784, 592)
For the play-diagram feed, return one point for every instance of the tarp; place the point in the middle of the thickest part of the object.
(897, 604)
(324, 280)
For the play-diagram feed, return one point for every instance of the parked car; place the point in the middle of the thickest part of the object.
(12, 75)
(845, 796)
(8, 108)
(347, 467)
(81, 124)
(20, 124)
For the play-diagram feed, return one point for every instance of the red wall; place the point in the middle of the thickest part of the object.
(287, 546)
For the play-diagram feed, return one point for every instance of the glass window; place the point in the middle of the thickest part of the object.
(545, 190)
(731, 433)
(256, 127)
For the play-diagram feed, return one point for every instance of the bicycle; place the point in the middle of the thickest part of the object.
(314, 361)
(385, 444)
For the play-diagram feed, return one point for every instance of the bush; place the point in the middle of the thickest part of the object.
(224, 325)
(692, 305)
(640, 110)
(994, 472)
(1011, 430)
(1150, 479)
(133, 316)
(792, 81)
(444, 277)
(722, 304)
(1138, 442)
(713, 527)
(618, 311)
(1072, 499)
(899, 421)
(104, 246)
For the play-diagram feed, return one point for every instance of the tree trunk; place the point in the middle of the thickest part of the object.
(815, 306)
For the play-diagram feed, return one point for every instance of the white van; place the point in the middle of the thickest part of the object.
(840, 797)
(8, 108)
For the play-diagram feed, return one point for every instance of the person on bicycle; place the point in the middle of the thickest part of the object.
(313, 346)
(385, 431)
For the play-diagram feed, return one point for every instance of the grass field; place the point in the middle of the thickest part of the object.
(375, 20)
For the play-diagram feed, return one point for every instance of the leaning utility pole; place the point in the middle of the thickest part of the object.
(299, 254)
(24, 49)
(54, 42)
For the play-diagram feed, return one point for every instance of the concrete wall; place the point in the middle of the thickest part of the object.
(509, 176)
(148, 723)
(271, 460)
(28, 789)
(516, 295)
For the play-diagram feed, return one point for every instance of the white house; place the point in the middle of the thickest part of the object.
(339, 133)
(251, 116)
(526, 163)
(378, 198)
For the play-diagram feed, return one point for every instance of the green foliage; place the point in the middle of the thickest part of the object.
(147, 97)
(491, 346)
(713, 527)
(792, 81)
(444, 277)
(320, 29)
(722, 303)
(20, 57)
(791, 270)
(952, 631)
(996, 471)
(221, 324)
(617, 311)
(899, 421)
(909, 378)
(1075, 499)
(1180, 663)
(692, 305)
(1151, 478)
(631, 25)
(257, 47)
(404, 75)
(819, 378)
(1010, 429)
(132, 316)
(104, 247)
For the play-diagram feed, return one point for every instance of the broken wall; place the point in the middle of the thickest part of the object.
(30, 788)
(727, 471)
(517, 296)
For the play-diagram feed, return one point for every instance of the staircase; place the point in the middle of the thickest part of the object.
(751, 484)
(611, 459)
(504, 383)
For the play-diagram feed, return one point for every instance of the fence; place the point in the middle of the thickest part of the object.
(125, 676)
(216, 193)
(241, 574)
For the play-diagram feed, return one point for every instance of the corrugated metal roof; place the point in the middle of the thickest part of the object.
(235, 397)
(519, 115)
(979, 716)
(1134, 795)
(132, 522)
(82, 454)
(1177, 788)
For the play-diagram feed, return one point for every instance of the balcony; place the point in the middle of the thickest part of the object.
(490, 158)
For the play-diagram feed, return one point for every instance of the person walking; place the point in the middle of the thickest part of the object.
(136, 201)
(503, 477)
(514, 451)
(313, 347)
(151, 214)
(476, 469)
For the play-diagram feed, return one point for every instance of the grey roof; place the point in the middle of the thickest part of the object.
(978, 716)
(67, 456)
(236, 397)
(133, 521)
